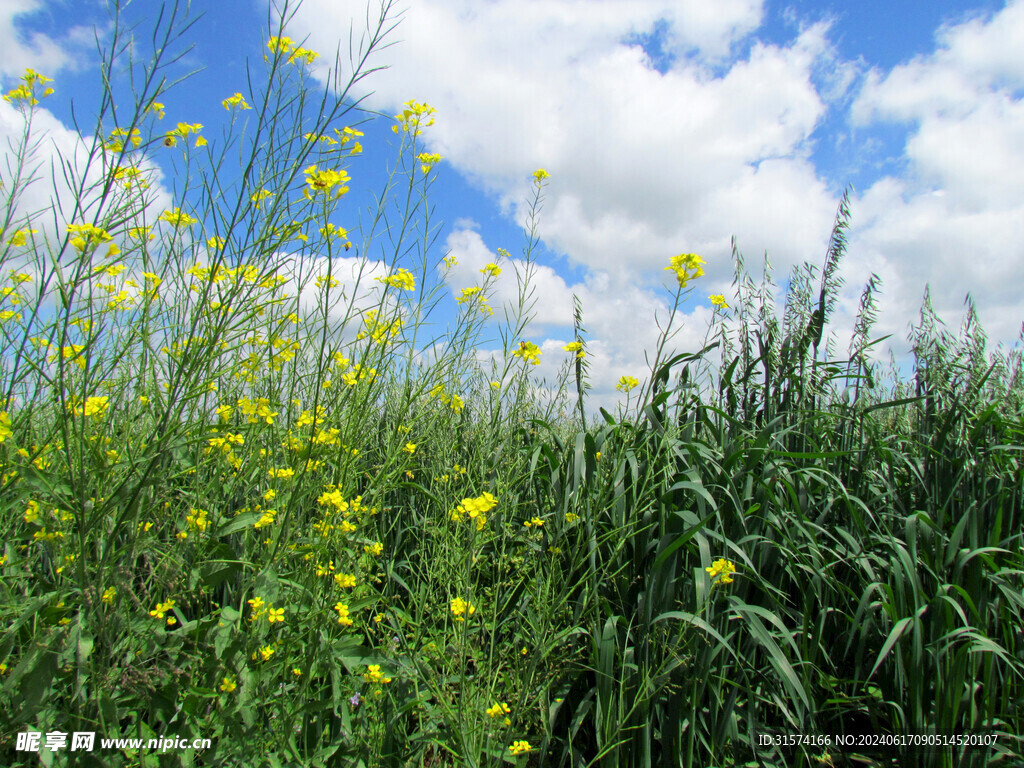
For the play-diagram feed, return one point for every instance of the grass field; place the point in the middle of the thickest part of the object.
(238, 503)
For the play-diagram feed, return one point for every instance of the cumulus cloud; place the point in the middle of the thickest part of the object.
(956, 220)
(653, 153)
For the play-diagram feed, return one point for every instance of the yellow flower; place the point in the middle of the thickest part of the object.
(627, 383)
(228, 684)
(86, 236)
(376, 549)
(518, 747)
(258, 198)
(528, 352)
(577, 347)
(410, 448)
(460, 609)
(5, 426)
(403, 279)
(20, 237)
(266, 652)
(280, 44)
(718, 300)
(499, 709)
(275, 614)
(412, 118)
(235, 101)
(343, 615)
(161, 609)
(374, 675)
(428, 161)
(156, 108)
(326, 182)
(534, 522)
(491, 269)
(539, 175)
(721, 571)
(177, 219)
(686, 266)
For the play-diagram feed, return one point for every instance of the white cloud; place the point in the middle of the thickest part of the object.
(647, 164)
(956, 221)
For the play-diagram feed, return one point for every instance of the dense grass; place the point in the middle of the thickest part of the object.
(236, 505)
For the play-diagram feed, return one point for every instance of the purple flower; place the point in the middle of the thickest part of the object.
(355, 699)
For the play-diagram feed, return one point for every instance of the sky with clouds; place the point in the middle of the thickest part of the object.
(667, 127)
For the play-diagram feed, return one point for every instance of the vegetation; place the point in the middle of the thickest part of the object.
(240, 503)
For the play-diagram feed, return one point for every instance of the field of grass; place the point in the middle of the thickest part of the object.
(238, 503)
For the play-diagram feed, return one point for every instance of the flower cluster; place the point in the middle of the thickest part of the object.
(412, 118)
(285, 45)
(721, 571)
(501, 709)
(402, 279)
(235, 101)
(182, 132)
(327, 182)
(461, 608)
(162, 609)
(26, 92)
(475, 509)
(577, 347)
(686, 266)
(627, 383)
(528, 352)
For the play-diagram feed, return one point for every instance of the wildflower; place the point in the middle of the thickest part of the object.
(182, 132)
(577, 347)
(686, 266)
(116, 141)
(235, 101)
(20, 237)
(403, 279)
(539, 175)
(5, 426)
(86, 236)
(627, 383)
(534, 522)
(374, 675)
(518, 747)
(528, 352)
(491, 269)
(410, 448)
(140, 233)
(460, 609)
(177, 219)
(26, 92)
(343, 615)
(266, 652)
(326, 182)
(296, 671)
(450, 261)
(411, 118)
(275, 614)
(280, 44)
(571, 517)
(282, 474)
(258, 198)
(156, 108)
(355, 699)
(376, 549)
(721, 571)
(228, 684)
(303, 53)
(428, 161)
(161, 609)
(94, 406)
(344, 580)
(718, 300)
(498, 710)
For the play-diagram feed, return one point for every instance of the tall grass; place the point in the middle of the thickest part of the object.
(251, 493)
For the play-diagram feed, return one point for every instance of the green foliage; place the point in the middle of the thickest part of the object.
(236, 505)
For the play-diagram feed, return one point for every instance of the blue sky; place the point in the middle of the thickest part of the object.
(667, 127)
